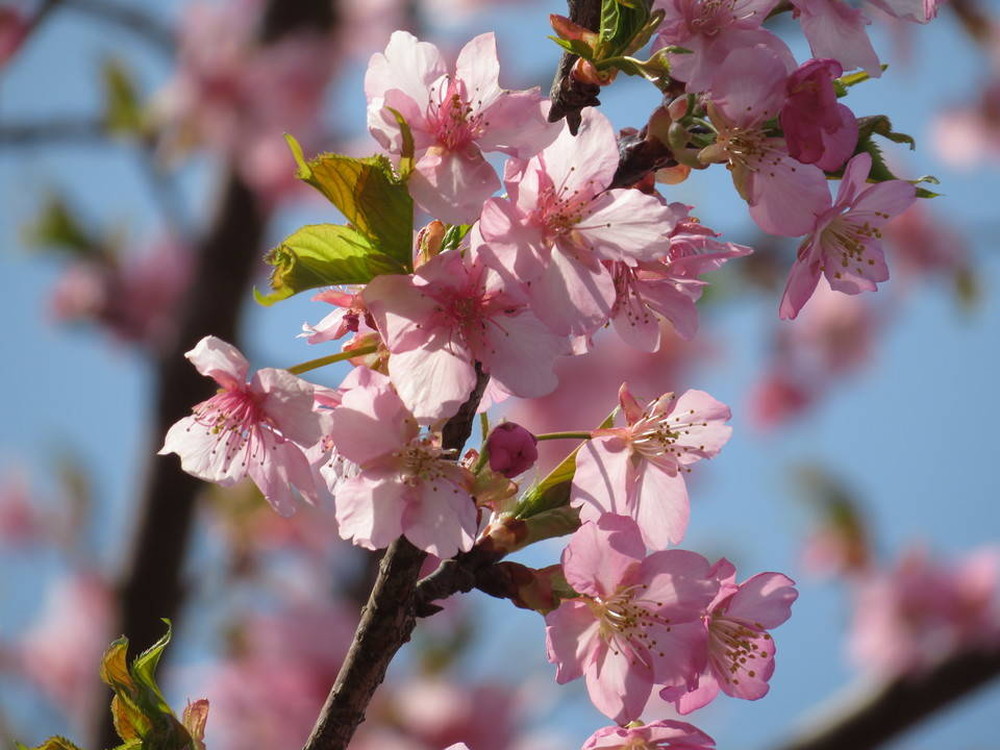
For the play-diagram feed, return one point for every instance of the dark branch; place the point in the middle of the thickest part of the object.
(387, 620)
(130, 18)
(569, 96)
(902, 703)
(60, 129)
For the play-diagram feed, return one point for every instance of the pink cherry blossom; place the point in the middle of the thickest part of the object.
(836, 30)
(259, 429)
(237, 95)
(668, 287)
(920, 610)
(818, 130)
(657, 735)
(14, 29)
(63, 645)
(748, 90)
(740, 648)
(350, 316)
(454, 118)
(560, 222)
(134, 296)
(845, 241)
(453, 312)
(406, 484)
(710, 31)
(637, 621)
(638, 470)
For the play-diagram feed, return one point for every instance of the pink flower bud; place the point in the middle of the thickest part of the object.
(513, 450)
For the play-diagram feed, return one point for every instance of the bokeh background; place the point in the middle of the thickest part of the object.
(905, 428)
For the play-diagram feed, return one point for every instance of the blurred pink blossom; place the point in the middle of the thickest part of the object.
(135, 295)
(921, 610)
(61, 652)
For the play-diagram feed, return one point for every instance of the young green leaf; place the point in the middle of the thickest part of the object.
(368, 193)
(324, 255)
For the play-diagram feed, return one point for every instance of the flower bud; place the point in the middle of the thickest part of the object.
(512, 449)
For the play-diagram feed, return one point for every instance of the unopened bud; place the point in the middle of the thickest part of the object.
(512, 449)
(429, 241)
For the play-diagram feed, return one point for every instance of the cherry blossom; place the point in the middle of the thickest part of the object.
(749, 90)
(453, 312)
(818, 129)
(635, 621)
(259, 429)
(406, 484)
(559, 222)
(740, 648)
(920, 610)
(836, 30)
(453, 118)
(710, 31)
(638, 470)
(668, 287)
(845, 241)
(657, 735)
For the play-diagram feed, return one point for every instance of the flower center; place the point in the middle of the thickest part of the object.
(733, 647)
(456, 119)
(237, 420)
(626, 622)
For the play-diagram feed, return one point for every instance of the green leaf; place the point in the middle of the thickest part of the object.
(406, 157)
(623, 23)
(122, 111)
(454, 235)
(56, 226)
(52, 743)
(324, 255)
(368, 193)
(881, 125)
(576, 46)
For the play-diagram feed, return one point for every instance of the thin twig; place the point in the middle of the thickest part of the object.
(877, 717)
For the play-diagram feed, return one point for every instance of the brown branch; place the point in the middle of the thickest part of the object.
(150, 586)
(569, 96)
(388, 619)
(901, 704)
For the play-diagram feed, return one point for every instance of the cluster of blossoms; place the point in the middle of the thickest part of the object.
(502, 286)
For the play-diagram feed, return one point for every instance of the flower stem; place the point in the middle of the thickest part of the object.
(564, 436)
(313, 364)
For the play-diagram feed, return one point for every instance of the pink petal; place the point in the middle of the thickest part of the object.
(221, 361)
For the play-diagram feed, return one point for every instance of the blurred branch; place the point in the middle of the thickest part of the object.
(877, 717)
(150, 586)
(63, 129)
(388, 619)
(131, 18)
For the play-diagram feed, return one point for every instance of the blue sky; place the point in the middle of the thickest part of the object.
(914, 434)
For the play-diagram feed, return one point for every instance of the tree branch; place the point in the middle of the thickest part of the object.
(387, 620)
(569, 96)
(59, 129)
(876, 717)
(130, 18)
(150, 586)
